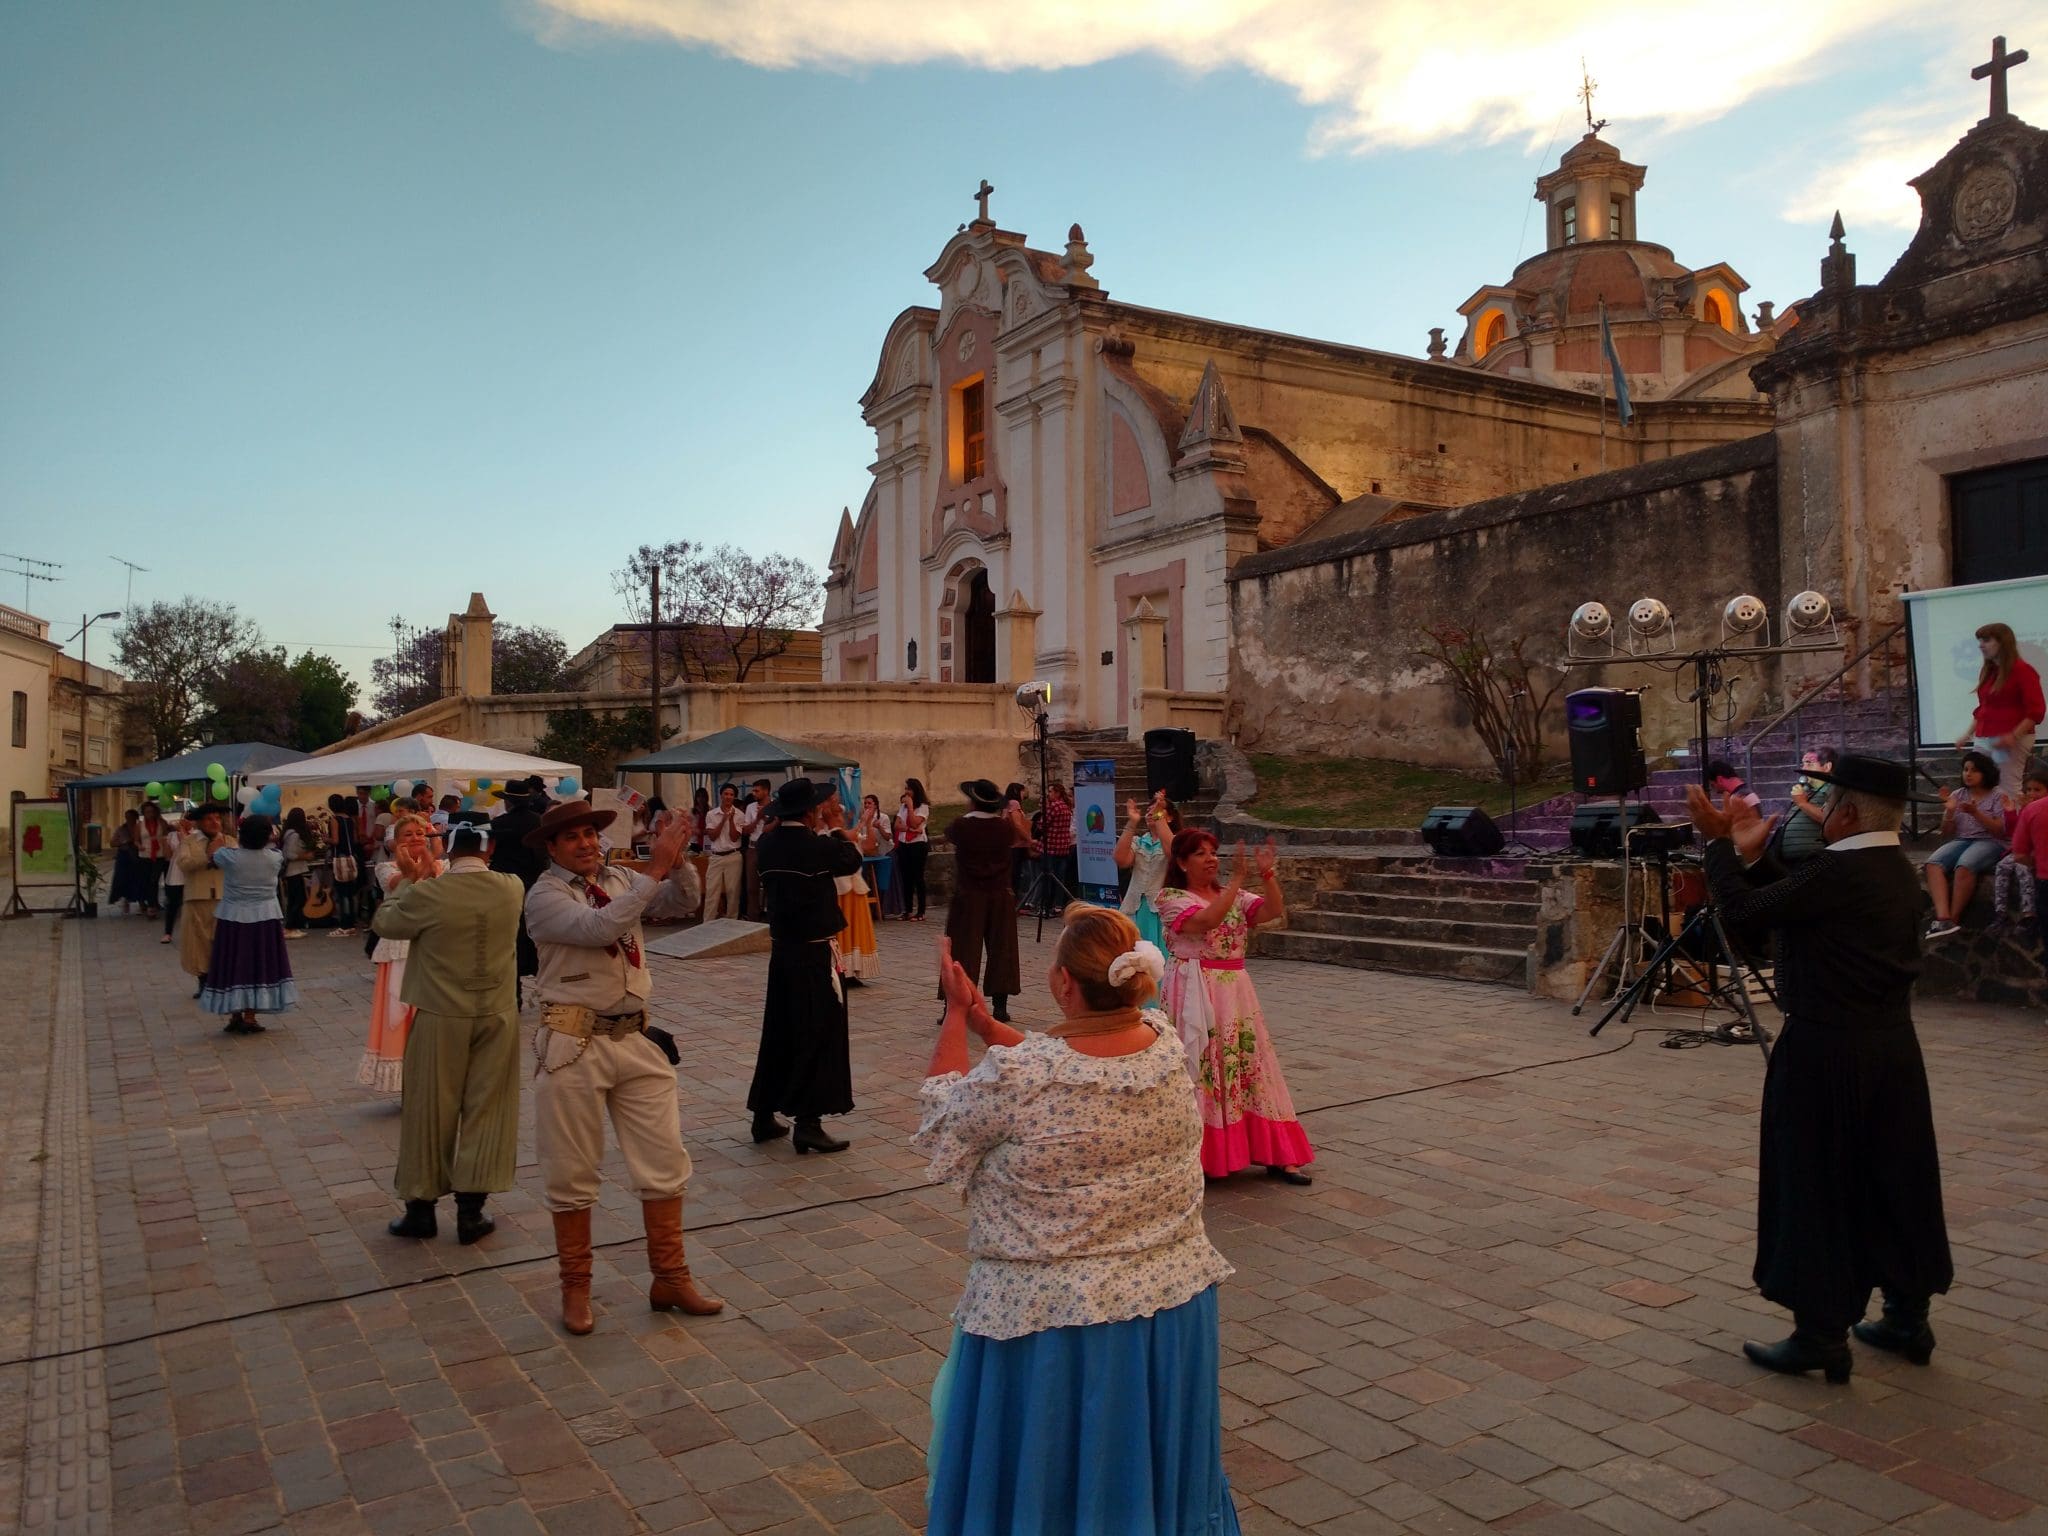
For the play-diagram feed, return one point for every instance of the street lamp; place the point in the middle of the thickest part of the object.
(84, 704)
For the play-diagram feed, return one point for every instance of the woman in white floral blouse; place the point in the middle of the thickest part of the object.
(1080, 1391)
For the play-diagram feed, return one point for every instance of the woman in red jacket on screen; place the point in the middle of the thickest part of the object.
(2009, 707)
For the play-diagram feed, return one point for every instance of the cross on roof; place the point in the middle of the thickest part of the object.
(1999, 63)
(1585, 94)
(981, 194)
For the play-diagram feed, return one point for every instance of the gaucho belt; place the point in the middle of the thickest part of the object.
(580, 1023)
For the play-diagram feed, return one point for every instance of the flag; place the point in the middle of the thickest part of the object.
(1624, 412)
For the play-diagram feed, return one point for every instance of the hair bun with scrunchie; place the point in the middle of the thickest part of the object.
(1144, 956)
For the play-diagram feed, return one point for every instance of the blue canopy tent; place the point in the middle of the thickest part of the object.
(709, 759)
(239, 758)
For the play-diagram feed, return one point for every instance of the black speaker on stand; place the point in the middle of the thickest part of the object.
(1170, 764)
(1604, 727)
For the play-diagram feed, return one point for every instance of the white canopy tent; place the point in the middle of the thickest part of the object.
(436, 759)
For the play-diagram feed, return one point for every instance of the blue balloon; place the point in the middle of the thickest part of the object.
(469, 802)
(568, 787)
(483, 783)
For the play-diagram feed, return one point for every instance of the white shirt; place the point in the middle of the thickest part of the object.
(174, 875)
(723, 829)
(1865, 840)
(1082, 1177)
(921, 835)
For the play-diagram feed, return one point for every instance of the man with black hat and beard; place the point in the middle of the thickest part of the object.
(524, 799)
(803, 1068)
(1848, 1174)
(983, 915)
(594, 1056)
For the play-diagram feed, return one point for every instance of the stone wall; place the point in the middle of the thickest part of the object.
(1327, 633)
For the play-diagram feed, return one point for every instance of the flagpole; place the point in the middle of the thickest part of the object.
(1603, 384)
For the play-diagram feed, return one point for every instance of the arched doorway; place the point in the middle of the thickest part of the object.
(978, 631)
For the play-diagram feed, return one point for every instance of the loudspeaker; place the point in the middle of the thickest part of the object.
(1596, 829)
(1170, 764)
(1461, 832)
(1604, 727)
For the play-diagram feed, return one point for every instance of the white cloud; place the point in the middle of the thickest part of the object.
(1386, 72)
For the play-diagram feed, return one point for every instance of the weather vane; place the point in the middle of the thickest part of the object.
(1585, 94)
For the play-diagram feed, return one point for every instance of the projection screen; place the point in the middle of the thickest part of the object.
(1943, 625)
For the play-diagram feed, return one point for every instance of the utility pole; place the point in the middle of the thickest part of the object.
(654, 629)
(85, 625)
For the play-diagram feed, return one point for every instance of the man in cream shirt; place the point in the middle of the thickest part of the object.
(592, 1053)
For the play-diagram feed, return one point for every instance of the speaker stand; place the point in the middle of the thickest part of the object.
(1626, 946)
(1514, 839)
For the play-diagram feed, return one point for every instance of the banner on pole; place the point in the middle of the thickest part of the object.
(41, 852)
(1095, 829)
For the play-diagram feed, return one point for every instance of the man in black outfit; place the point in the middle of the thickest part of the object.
(1848, 1175)
(525, 800)
(804, 1068)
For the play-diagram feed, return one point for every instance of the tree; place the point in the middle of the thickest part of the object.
(327, 698)
(524, 659)
(1502, 692)
(755, 604)
(681, 651)
(253, 698)
(172, 653)
(596, 742)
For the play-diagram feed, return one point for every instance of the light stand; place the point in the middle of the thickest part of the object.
(1514, 837)
(1733, 994)
(1626, 945)
(1044, 882)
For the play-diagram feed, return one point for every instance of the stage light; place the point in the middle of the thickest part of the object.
(1034, 697)
(1592, 622)
(1649, 627)
(1807, 613)
(1746, 615)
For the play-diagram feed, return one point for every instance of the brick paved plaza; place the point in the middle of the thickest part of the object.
(1511, 1301)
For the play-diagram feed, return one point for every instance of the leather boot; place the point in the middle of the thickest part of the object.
(471, 1224)
(418, 1220)
(572, 1253)
(767, 1128)
(1902, 1330)
(1808, 1349)
(809, 1136)
(673, 1289)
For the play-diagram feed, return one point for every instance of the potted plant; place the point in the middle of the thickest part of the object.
(89, 878)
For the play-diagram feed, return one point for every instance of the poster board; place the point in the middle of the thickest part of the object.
(1095, 828)
(41, 852)
(1942, 624)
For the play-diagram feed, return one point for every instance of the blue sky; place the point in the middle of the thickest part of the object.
(341, 311)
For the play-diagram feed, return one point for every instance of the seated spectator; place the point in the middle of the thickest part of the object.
(2029, 854)
(1976, 820)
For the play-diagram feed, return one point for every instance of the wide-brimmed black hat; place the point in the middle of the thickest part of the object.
(982, 794)
(1878, 776)
(793, 800)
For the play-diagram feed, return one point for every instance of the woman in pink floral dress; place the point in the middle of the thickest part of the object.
(1247, 1116)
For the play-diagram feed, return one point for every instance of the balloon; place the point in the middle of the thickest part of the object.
(567, 786)
(380, 794)
(400, 788)
(220, 790)
(246, 794)
(215, 771)
(154, 789)
(469, 802)
(483, 783)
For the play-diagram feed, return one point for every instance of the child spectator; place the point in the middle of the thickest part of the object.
(2029, 849)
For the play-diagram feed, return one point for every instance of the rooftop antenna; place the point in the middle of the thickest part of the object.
(129, 606)
(30, 571)
(1586, 87)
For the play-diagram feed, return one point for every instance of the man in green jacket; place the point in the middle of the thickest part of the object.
(458, 1129)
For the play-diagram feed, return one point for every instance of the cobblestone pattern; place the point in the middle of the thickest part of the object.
(66, 1486)
(1511, 1301)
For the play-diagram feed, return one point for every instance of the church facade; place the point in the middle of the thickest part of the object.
(1051, 462)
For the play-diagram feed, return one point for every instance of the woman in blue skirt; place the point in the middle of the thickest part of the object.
(249, 972)
(1080, 1391)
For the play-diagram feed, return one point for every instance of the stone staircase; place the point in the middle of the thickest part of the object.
(1470, 919)
(1070, 747)
(1875, 724)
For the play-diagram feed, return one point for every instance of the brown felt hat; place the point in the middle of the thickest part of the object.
(562, 817)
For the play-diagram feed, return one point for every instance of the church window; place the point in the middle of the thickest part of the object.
(1714, 310)
(969, 431)
(1493, 330)
(21, 719)
(1568, 223)
(910, 657)
(1614, 229)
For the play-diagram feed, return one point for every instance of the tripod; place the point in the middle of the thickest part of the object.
(1044, 881)
(1626, 945)
(1733, 994)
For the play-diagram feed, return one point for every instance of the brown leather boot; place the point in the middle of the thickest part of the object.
(673, 1288)
(572, 1252)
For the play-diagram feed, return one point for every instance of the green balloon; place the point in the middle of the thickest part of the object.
(220, 791)
(215, 771)
(153, 789)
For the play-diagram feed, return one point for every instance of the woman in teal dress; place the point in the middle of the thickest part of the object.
(1143, 850)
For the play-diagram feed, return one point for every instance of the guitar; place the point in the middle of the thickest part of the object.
(319, 896)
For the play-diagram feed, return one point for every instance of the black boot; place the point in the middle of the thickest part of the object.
(1902, 1330)
(1808, 1349)
(810, 1137)
(767, 1128)
(418, 1220)
(1000, 1008)
(471, 1224)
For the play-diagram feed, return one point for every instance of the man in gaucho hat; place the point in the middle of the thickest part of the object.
(592, 1053)
(1848, 1175)
(983, 914)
